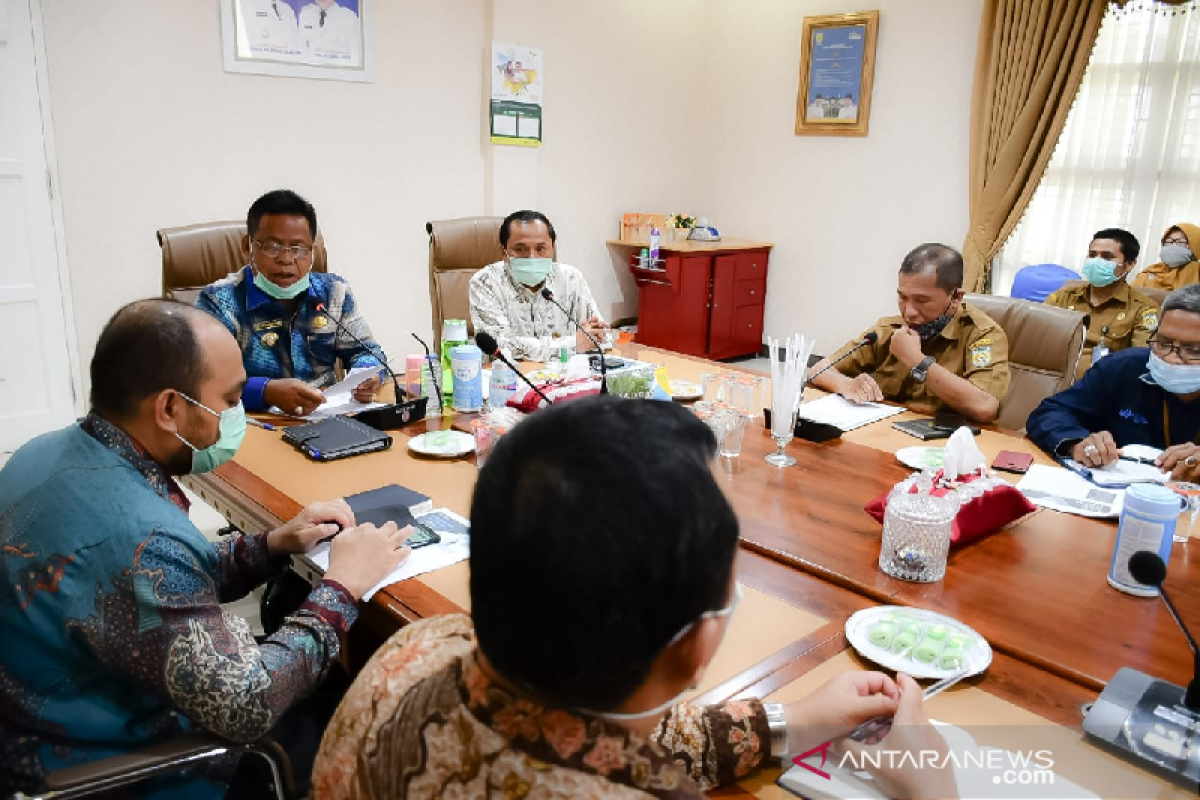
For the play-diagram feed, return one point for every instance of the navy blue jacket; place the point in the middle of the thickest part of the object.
(1116, 395)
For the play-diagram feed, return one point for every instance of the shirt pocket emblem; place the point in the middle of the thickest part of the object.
(981, 356)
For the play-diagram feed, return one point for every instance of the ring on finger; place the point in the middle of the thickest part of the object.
(1190, 461)
(1089, 449)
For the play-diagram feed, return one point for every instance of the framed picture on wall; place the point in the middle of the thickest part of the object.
(298, 38)
(837, 67)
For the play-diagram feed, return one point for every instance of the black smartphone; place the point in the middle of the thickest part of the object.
(609, 363)
(422, 536)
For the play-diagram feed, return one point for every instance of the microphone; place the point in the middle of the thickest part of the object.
(487, 343)
(870, 338)
(388, 416)
(549, 295)
(1147, 568)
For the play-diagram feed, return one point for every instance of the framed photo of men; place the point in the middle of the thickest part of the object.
(297, 38)
(837, 67)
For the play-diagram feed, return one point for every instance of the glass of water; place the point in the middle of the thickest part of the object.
(1185, 528)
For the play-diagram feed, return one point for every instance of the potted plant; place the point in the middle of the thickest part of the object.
(680, 226)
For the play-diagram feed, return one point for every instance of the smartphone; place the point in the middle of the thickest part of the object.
(1012, 461)
(422, 536)
(950, 421)
(609, 363)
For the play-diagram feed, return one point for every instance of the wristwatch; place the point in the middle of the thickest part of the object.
(921, 371)
(777, 723)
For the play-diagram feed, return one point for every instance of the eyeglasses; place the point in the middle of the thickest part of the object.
(524, 251)
(275, 250)
(1189, 353)
(1176, 240)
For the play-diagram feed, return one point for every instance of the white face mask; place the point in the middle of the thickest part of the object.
(660, 709)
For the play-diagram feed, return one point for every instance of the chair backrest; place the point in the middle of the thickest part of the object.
(1038, 281)
(458, 248)
(193, 256)
(1157, 295)
(1044, 347)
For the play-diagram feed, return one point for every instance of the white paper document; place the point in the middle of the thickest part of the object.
(833, 409)
(1063, 490)
(339, 398)
(455, 546)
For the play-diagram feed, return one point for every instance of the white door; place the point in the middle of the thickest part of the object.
(35, 364)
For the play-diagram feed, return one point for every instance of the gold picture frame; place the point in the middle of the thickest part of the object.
(837, 69)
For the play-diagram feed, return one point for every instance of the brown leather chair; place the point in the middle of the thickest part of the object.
(193, 256)
(1044, 347)
(114, 773)
(1157, 295)
(458, 248)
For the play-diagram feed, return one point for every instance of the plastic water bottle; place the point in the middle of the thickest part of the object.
(503, 385)
(467, 363)
(1147, 523)
(454, 333)
(433, 407)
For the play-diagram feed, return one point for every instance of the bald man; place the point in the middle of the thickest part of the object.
(109, 596)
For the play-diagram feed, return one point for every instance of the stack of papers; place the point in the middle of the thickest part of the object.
(833, 409)
(339, 398)
(1064, 490)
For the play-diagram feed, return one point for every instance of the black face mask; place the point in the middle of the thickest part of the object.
(928, 330)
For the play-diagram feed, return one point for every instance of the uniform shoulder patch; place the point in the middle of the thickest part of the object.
(981, 354)
(1150, 318)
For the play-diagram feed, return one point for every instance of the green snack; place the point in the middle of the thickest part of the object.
(936, 632)
(911, 626)
(956, 640)
(953, 658)
(904, 641)
(882, 633)
(929, 649)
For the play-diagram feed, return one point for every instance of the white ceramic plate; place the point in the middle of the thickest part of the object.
(922, 458)
(686, 390)
(977, 657)
(442, 444)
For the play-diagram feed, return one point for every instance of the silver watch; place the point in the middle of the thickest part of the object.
(921, 371)
(777, 723)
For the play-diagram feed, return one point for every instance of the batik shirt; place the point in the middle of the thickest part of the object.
(113, 636)
(422, 720)
(525, 324)
(278, 342)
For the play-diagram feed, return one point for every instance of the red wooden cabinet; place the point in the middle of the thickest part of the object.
(707, 301)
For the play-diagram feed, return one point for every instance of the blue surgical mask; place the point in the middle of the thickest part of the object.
(232, 428)
(1175, 378)
(530, 271)
(281, 292)
(1099, 271)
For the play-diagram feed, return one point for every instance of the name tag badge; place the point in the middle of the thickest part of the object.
(269, 325)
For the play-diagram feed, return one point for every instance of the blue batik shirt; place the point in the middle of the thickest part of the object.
(110, 618)
(278, 342)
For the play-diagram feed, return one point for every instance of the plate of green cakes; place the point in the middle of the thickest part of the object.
(922, 643)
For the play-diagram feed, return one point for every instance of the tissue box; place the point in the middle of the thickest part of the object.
(528, 400)
(978, 517)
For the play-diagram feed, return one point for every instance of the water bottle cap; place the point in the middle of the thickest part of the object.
(454, 330)
(1152, 494)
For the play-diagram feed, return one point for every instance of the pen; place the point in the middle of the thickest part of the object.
(1078, 469)
(265, 425)
(874, 726)
(1150, 462)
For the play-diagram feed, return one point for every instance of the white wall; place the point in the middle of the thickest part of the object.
(843, 211)
(675, 105)
(152, 132)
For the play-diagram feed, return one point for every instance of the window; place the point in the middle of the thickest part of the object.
(1129, 155)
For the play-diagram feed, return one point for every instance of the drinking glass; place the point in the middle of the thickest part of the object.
(734, 432)
(739, 392)
(916, 536)
(1186, 526)
(712, 384)
(487, 433)
(783, 429)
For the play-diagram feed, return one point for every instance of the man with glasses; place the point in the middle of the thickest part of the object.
(602, 584)
(1144, 395)
(285, 316)
(506, 299)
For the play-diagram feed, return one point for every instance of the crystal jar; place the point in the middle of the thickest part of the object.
(916, 535)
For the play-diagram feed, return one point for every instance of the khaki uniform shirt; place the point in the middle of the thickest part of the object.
(1161, 276)
(972, 346)
(1124, 320)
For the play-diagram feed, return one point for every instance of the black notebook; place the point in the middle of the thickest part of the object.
(393, 503)
(336, 437)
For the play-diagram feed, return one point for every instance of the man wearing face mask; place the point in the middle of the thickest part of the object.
(1178, 265)
(506, 299)
(283, 314)
(1147, 396)
(1121, 316)
(938, 352)
(591, 620)
(109, 596)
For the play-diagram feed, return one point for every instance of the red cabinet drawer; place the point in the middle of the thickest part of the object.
(750, 293)
(752, 265)
(748, 328)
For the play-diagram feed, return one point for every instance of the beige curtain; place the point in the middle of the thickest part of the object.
(1031, 58)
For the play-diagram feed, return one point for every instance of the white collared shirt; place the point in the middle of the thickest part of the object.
(270, 27)
(339, 39)
(526, 325)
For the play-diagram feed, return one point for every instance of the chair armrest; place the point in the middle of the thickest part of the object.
(144, 763)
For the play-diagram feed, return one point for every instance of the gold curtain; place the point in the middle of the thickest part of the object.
(1031, 59)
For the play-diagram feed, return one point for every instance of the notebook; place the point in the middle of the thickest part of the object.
(337, 437)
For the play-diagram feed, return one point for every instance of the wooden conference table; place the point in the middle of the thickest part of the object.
(1036, 591)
